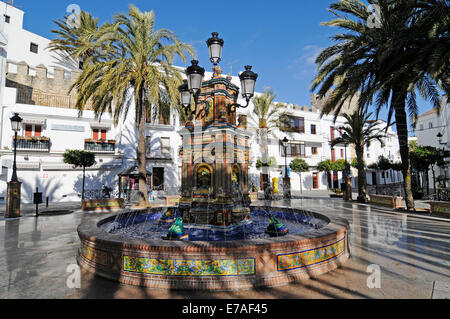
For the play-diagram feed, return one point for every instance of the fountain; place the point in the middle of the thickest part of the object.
(215, 239)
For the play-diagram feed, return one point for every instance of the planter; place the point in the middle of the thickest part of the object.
(388, 201)
(103, 205)
(440, 208)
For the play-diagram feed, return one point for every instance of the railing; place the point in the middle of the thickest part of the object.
(100, 147)
(44, 99)
(32, 145)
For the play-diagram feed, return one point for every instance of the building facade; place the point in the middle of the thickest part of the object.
(36, 84)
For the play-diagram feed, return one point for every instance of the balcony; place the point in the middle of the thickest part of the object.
(99, 146)
(32, 144)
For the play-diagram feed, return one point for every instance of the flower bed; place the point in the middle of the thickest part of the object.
(389, 201)
(440, 208)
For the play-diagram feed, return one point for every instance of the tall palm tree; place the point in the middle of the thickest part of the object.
(386, 65)
(360, 131)
(264, 120)
(131, 63)
(76, 38)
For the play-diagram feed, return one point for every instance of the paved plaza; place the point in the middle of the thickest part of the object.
(412, 253)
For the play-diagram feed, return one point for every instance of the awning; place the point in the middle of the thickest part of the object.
(99, 125)
(35, 121)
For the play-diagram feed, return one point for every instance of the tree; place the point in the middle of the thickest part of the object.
(131, 62)
(264, 119)
(340, 165)
(384, 164)
(360, 131)
(387, 64)
(326, 167)
(422, 159)
(82, 159)
(299, 166)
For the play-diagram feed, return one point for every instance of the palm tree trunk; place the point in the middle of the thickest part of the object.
(399, 101)
(141, 156)
(265, 166)
(362, 181)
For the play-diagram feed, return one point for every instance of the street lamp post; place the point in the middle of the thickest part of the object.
(440, 136)
(14, 186)
(287, 179)
(195, 74)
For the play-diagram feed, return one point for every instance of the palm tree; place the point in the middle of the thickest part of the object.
(264, 120)
(360, 131)
(387, 65)
(131, 62)
(77, 39)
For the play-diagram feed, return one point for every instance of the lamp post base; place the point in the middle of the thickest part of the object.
(13, 200)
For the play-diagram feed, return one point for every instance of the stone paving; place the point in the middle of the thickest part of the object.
(413, 255)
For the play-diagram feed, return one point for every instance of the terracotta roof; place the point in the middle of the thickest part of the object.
(428, 113)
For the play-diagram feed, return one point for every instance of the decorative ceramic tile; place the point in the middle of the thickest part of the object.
(173, 267)
(310, 257)
(93, 255)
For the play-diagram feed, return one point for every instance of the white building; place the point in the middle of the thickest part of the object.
(35, 84)
(429, 126)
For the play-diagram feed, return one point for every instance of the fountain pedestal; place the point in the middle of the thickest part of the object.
(215, 158)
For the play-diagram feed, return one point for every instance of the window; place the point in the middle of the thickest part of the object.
(332, 133)
(7, 18)
(34, 48)
(342, 153)
(430, 125)
(333, 155)
(314, 151)
(148, 146)
(98, 134)
(293, 124)
(158, 178)
(313, 129)
(294, 150)
(165, 146)
(80, 64)
(33, 130)
(421, 127)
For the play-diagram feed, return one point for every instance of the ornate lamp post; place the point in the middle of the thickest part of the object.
(215, 150)
(287, 179)
(14, 186)
(195, 75)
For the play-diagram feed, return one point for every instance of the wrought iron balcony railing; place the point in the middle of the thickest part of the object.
(99, 147)
(32, 145)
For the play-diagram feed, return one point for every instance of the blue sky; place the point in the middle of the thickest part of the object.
(279, 38)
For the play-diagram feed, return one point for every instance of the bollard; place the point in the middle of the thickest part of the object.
(46, 202)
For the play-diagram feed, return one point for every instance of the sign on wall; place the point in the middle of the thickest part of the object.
(70, 128)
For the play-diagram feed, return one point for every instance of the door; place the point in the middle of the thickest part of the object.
(316, 180)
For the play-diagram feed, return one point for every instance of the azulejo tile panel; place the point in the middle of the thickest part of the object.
(93, 255)
(173, 267)
(310, 257)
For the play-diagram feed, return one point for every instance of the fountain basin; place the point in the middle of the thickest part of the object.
(214, 265)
